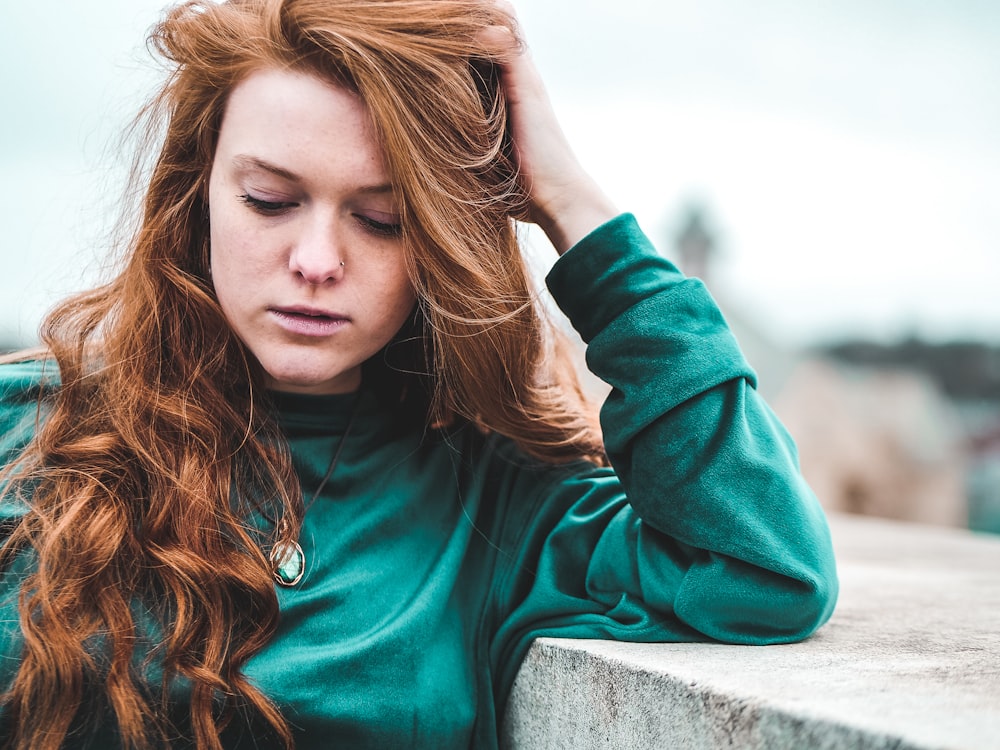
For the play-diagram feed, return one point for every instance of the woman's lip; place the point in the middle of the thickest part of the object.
(314, 312)
(308, 321)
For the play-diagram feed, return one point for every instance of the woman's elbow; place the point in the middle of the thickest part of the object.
(761, 611)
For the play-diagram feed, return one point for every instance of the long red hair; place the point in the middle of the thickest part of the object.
(157, 447)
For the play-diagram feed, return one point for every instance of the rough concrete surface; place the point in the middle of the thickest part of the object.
(909, 661)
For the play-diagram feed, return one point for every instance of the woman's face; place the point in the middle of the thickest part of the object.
(307, 259)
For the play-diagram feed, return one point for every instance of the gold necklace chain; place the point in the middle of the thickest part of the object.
(288, 561)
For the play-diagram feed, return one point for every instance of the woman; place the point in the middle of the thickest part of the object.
(313, 470)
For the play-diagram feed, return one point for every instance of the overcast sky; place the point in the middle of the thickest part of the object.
(846, 151)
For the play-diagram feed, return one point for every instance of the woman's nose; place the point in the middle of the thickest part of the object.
(317, 255)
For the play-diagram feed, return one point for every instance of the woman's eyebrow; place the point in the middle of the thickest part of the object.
(246, 163)
(376, 189)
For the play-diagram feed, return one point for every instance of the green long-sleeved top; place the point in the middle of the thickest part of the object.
(434, 560)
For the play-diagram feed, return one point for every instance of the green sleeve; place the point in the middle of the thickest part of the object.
(705, 529)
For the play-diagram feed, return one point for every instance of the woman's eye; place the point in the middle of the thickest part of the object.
(381, 228)
(265, 207)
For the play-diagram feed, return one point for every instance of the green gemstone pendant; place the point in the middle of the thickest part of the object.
(288, 563)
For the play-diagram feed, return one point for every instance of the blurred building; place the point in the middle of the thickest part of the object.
(877, 441)
(967, 375)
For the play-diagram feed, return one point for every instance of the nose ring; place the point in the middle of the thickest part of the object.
(342, 264)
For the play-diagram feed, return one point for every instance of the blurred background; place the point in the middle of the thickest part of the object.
(830, 169)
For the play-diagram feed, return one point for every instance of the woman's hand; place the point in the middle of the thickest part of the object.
(564, 200)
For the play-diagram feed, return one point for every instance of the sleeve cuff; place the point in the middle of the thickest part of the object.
(607, 272)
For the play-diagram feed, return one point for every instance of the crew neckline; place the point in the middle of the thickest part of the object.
(329, 412)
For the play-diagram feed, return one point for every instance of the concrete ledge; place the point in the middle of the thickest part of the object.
(909, 661)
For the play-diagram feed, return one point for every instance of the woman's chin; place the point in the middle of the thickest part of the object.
(317, 383)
